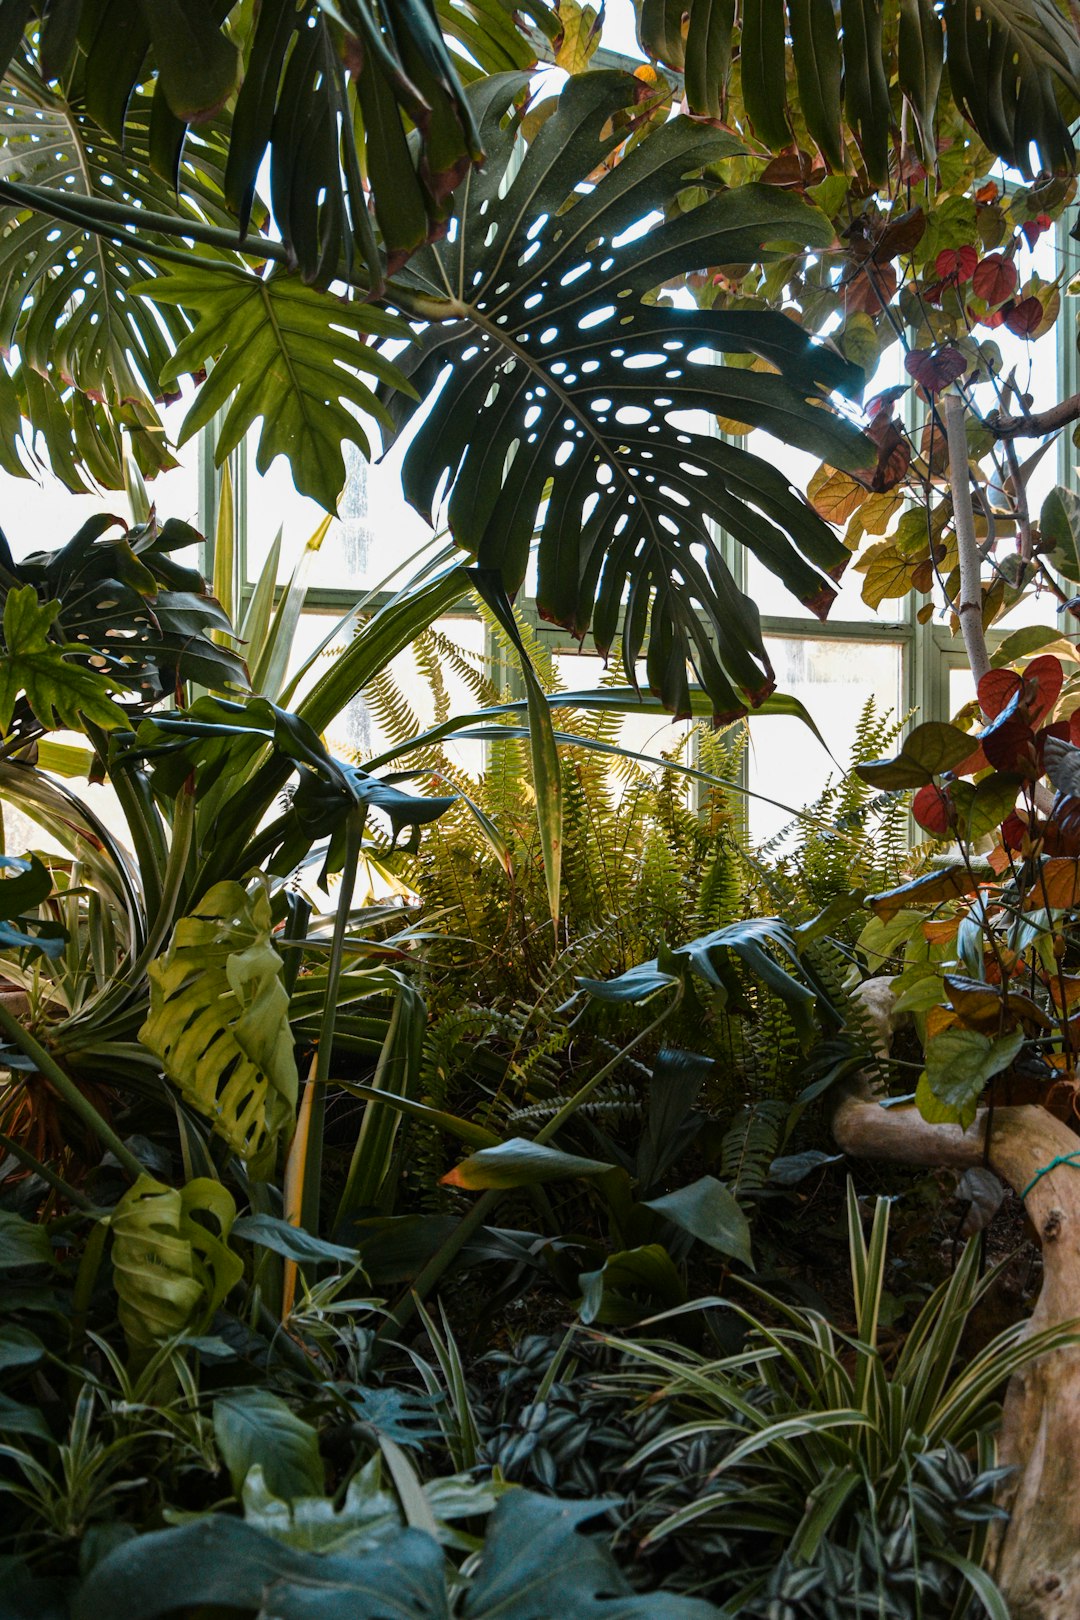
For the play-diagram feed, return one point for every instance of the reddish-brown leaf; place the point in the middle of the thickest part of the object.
(956, 264)
(935, 369)
(1024, 317)
(1043, 680)
(932, 809)
(995, 279)
(997, 689)
(868, 292)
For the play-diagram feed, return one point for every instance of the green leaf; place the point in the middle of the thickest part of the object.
(536, 1564)
(931, 748)
(930, 889)
(270, 1232)
(959, 1062)
(19, 1347)
(255, 1427)
(171, 1269)
(920, 59)
(707, 55)
(219, 1019)
(18, 1418)
(224, 1563)
(983, 806)
(1059, 525)
(561, 388)
(520, 1163)
(60, 693)
(866, 88)
(1009, 60)
(629, 1285)
(285, 353)
(22, 1243)
(815, 46)
(544, 755)
(708, 1211)
(198, 67)
(763, 85)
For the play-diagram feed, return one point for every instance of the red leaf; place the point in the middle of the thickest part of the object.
(867, 294)
(1043, 680)
(932, 809)
(1034, 228)
(1010, 745)
(1074, 728)
(956, 264)
(935, 370)
(997, 689)
(1013, 831)
(987, 193)
(1024, 317)
(894, 454)
(995, 279)
(993, 317)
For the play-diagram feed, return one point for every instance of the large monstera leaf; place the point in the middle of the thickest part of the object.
(566, 397)
(219, 1019)
(1013, 65)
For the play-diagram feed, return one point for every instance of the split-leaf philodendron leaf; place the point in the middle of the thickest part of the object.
(563, 398)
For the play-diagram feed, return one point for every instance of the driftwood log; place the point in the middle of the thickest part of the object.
(1037, 1556)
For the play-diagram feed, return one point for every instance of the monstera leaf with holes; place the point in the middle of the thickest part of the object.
(563, 395)
(219, 1019)
(1013, 67)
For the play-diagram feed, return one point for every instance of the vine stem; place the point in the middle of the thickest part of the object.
(970, 607)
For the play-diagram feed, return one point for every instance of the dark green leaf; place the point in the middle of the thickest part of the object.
(959, 1062)
(708, 1211)
(1009, 60)
(629, 1285)
(270, 1232)
(198, 67)
(1059, 527)
(254, 1426)
(22, 1243)
(554, 368)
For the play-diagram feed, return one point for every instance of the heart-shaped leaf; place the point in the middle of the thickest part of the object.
(931, 749)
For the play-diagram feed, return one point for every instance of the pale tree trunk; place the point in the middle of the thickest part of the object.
(1037, 1562)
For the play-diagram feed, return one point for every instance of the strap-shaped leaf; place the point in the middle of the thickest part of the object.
(1009, 60)
(287, 354)
(565, 394)
(921, 57)
(866, 87)
(764, 85)
(815, 46)
(219, 1019)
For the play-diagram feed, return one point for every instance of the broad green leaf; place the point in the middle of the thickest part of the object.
(219, 1019)
(221, 1562)
(16, 1417)
(19, 1347)
(199, 68)
(764, 88)
(562, 392)
(520, 1163)
(629, 1285)
(296, 358)
(171, 1269)
(708, 1211)
(920, 58)
(931, 748)
(983, 806)
(959, 1062)
(815, 46)
(580, 36)
(255, 1427)
(60, 693)
(22, 1243)
(1059, 524)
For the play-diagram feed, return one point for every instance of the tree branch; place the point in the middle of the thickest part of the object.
(1037, 425)
(970, 607)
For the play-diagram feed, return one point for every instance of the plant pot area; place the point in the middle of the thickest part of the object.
(539, 810)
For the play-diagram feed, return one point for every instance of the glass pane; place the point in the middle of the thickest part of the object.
(834, 679)
(375, 532)
(650, 734)
(40, 514)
